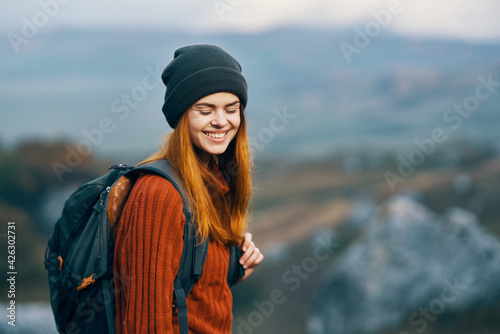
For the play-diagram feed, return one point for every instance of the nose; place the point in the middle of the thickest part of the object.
(219, 119)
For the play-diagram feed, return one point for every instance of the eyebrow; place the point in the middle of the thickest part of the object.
(205, 104)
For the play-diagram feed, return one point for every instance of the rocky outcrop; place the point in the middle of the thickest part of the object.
(411, 265)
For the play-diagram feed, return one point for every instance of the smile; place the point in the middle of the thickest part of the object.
(216, 135)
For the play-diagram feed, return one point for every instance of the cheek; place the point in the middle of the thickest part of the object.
(195, 131)
(192, 136)
(235, 122)
(195, 125)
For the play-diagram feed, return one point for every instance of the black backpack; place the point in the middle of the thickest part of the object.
(79, 256)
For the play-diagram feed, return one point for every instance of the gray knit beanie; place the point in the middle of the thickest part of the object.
(197, 71)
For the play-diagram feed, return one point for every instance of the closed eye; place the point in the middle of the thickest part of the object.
(204, 112)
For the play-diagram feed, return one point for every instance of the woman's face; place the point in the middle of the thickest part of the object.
(213, 123)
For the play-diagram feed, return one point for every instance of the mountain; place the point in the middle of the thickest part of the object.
(306, 97)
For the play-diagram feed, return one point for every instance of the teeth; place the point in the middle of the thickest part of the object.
(215, 135)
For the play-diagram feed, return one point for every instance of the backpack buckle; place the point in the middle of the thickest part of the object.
(86, 282)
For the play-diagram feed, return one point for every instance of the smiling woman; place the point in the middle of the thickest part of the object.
(208, 150)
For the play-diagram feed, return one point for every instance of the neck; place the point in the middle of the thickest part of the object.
(204, 157)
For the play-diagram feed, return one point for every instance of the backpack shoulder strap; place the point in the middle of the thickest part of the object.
(236, 270)
(194, 252)
(164, 169)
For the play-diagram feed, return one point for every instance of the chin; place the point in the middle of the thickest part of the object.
(217, 151)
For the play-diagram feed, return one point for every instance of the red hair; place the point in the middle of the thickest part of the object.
(222, 218)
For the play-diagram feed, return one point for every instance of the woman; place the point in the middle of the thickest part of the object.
(204, 103)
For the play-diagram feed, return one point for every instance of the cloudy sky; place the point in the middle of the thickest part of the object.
(463, 19)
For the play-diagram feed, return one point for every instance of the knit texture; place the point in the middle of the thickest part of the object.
(148, 250)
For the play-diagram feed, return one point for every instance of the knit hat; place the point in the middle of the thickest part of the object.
(197, 71)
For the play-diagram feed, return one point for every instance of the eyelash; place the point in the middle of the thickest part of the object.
(205, 113)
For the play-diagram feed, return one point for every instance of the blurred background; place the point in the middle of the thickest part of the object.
(375, 130)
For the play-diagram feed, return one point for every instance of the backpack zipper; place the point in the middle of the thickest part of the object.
(121, 166)
(102, 197)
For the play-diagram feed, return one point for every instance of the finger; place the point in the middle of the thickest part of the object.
(247, 239)
(244, 258)
(246, 255)
(251, 260)
(259, 260)
(248, 272)
(251, 269)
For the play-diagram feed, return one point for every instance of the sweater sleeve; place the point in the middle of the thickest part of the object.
(147, 255)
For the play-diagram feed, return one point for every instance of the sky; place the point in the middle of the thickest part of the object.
(460, 19)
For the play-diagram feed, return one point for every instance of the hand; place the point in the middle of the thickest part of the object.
(251, 257)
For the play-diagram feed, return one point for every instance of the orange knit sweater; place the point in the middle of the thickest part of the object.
(148, 250)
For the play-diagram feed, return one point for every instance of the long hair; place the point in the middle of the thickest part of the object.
(222, 218)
